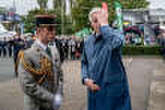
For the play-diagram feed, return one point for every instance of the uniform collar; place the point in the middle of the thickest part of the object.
(43, 46)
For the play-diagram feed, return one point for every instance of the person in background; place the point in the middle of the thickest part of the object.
(10, 43)
(1, 47)
(17, 46)
(4, 45)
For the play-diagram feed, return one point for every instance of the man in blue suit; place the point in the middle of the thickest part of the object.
(102, 68)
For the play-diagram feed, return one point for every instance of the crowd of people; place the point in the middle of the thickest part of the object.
(144, 35)
(10, 47)
(69, 47)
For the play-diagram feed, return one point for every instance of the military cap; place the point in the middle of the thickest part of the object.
(45, 20)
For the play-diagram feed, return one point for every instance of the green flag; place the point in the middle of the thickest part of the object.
(119, 16)
(83, 33)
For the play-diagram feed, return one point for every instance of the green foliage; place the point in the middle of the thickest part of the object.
(141, 50)
(57, 4)
(3, 10)
(29, 21)
(83, 7)
(42, 4)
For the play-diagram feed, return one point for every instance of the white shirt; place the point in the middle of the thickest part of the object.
(41, 44)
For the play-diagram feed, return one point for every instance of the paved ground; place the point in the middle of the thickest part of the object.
(140, 73)
(157, 90)
(6, 69)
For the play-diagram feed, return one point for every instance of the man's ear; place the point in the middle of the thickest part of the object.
(38, 30)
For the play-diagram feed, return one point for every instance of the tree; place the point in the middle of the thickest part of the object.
(42, 4)
(81, 9)
(63, 22)
(57, 4)
(3, 10)
(29, 21)
(60, 6)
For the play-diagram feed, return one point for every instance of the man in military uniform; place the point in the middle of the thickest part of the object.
(40, 71)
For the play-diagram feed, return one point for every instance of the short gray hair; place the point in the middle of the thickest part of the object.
(93, 10)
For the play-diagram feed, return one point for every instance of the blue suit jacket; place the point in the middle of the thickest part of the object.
(102, 62)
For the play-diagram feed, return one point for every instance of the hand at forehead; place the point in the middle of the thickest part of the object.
(102, 17)
(101, 13)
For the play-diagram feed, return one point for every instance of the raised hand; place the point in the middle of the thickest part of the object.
(102, 17)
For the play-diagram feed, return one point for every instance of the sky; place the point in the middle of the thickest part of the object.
(154, 4)
(23, 6)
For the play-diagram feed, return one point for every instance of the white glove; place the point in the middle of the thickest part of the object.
(57, 102)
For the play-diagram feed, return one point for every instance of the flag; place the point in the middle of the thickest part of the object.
(105, 6)
(119, 16)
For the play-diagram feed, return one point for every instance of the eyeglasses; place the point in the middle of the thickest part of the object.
(95, 21)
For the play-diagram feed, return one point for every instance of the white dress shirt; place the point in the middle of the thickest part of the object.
(43, 46)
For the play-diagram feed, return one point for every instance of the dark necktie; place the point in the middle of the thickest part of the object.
(48, 51)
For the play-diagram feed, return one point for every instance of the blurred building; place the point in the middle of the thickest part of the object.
(141, 16)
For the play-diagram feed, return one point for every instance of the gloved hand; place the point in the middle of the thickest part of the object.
(58, 99)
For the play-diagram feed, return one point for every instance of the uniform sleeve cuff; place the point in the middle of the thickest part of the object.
(104, 25)
(84, 80)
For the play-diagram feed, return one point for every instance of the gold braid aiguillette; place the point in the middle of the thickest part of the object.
(45, 70)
